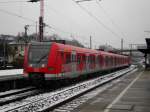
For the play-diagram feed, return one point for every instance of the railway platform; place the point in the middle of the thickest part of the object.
(11, 74)
(130, 94)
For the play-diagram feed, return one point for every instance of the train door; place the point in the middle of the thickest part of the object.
(73, 62)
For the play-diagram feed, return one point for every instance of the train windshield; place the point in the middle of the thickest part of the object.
(38, 53)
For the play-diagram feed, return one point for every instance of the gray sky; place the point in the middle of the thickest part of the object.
(126, 19)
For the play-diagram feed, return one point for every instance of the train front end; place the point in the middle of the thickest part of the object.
(39, 61)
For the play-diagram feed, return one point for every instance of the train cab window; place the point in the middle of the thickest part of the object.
(39, 53)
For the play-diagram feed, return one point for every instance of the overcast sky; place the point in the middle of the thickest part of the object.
(116, 19)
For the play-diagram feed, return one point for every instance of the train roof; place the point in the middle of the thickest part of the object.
(68, 48)
(75, 48)
(79, 49)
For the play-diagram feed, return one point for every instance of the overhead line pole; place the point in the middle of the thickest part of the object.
(41, 18)
(90, 42)
(121, 45)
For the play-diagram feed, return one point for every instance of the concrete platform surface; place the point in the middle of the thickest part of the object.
(11, 74)
(132, 94)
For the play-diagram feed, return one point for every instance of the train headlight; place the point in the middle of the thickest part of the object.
(30, 65)
(43, 65)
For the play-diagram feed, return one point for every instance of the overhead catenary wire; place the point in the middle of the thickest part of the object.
(28, 19)
(111, 20)
(97, 19)
(14, 14)
(17, 1)
(62, 31)
(73, 35)
(60, 13)
(7, 2)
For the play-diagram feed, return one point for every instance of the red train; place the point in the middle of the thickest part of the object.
(54, 61)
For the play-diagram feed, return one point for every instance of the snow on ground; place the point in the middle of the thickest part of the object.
(11, 72)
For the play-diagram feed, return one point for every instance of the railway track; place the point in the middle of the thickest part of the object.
(15, 91)
(15, 95)
(45, 101)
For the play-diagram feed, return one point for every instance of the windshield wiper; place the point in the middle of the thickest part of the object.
(44, 56)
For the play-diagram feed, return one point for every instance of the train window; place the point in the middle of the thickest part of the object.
(102, 60)
(107, 60)
(112, 64)
(62, 56)
(97, 59)
(84, 58)
(114, 61)
(68, 58)
(94, 59)
(110, 61)
(78, 59)
(38, 53)
(73, 58)
(89, 59)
